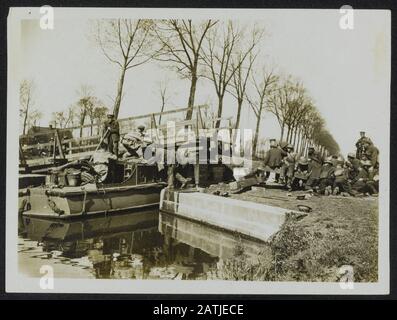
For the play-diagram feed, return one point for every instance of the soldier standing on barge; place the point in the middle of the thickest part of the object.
(112, 131)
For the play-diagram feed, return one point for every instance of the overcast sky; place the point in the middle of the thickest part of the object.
(345, 71)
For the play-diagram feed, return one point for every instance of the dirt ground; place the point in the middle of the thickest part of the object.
(338, 231)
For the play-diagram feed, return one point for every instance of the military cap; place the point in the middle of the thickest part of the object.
(303, 161)
(366, 163)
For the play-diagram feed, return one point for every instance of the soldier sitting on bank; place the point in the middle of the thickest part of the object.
(362, 183)
(326, 178)
(288, 166)
(353, 165)
(301, 174)
(370, 152)
(373, 180)
(341, 183)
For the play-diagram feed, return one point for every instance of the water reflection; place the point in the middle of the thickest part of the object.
(137, 245)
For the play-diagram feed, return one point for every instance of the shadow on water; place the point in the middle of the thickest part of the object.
(136, 245)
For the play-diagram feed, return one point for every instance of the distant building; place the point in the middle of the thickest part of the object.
(46, 133)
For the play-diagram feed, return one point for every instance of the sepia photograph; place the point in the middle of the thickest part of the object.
(211, 151)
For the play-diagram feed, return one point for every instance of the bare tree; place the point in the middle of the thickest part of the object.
(295, 107)
(181, 42)
(240, 81)
(70, 116)
(244, 66)
(34, 117)
(264, 84)
(164, 95)
(99, 115)
(312, 125)
(86, 106)
(282, 104)
(59, 119)
(223, 55)
(26, 101)
(125, 43)
(95, 110)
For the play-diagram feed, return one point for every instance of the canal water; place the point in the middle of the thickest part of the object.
(136, 245)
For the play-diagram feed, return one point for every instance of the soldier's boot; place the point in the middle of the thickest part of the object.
(336, 191)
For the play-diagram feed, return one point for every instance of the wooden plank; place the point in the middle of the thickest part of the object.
(139, 117)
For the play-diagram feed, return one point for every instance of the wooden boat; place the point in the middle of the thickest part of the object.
(39, 229)
(132, 185)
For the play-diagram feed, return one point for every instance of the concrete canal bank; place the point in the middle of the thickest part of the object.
(248, 218)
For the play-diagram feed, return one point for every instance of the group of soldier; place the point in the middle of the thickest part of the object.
(134, 142)
(356, 175)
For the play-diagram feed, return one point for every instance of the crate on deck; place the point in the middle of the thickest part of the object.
(140, 173)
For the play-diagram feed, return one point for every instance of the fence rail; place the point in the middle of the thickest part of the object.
(74, 147)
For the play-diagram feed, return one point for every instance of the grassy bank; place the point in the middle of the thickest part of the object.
(339, 231)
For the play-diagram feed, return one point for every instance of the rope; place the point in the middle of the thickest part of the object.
(84, 201)
(98, 186)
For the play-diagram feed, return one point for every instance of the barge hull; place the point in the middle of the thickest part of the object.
(68, 203)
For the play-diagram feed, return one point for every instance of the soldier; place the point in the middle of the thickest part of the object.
(288, 166)
(326, 178)
(301, 174)
(360, 144)
(353, 166)
(361, 184)
(373, 180)
(112, 130)
(132, 142)
(341, 183)
(273, 159)
(371, 152)
(315, 163)
(141, 131)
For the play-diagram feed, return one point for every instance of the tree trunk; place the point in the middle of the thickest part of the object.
(303, 145)
(161, 111)
(117, 102)
(25, 121)
(92, 127)
(192, 93)
(256, 136)
(239, 106)
(82, 119)
(219, 114)
(295, 133)
(300, 140)
(288, 133)
(282, 132)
